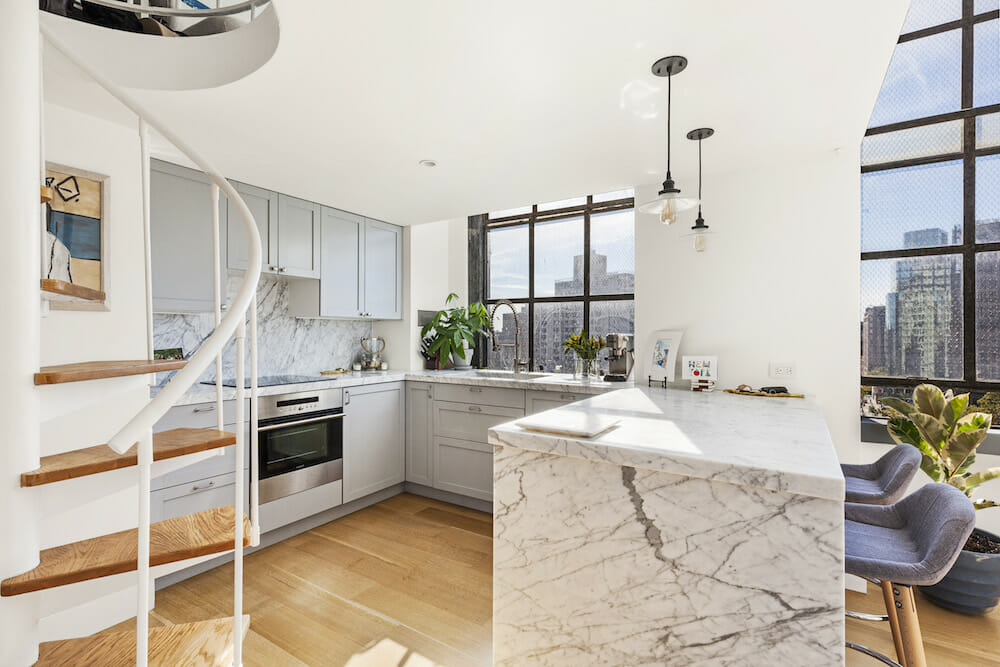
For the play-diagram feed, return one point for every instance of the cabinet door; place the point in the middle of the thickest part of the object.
(464, 467)
(383, 270)
(342, 264)
(419, 432)
(263, 204)
(298, 237)
(373, 439)
(197, 496)
(181, 239)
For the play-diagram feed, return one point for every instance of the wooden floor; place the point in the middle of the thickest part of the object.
(950, 639)
(406, 582)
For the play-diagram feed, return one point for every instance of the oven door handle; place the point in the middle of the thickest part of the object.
(273, 427)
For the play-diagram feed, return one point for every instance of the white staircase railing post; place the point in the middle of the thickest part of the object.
(217, 292)
(254, 462)
(240, 493)
(145, 445)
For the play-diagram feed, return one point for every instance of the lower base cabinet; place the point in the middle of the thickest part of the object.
(464, 467)
(198, 496)
(419, 433)
(373, 438)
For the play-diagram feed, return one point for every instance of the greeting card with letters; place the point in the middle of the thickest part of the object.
(702, 372)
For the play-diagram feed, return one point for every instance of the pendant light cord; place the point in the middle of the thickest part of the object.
(670, 78)
(699, 177)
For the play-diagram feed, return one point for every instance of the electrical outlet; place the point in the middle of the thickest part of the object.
(781, 369)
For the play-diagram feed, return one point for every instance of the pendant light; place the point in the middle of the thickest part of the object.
(669, 201)
(700, 230)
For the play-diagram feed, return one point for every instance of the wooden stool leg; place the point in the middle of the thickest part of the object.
(890, 610)
(909, 626)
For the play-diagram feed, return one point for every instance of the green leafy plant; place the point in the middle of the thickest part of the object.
(585, 347)
(937, 423)
(452, 326)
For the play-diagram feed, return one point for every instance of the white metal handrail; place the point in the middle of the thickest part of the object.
(138, 430)
(146, 9)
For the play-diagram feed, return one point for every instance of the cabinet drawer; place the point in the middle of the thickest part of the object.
(539, 401)
(199, 415)
(194, 497)
(463, 467)
(465, 421)
(464, 393)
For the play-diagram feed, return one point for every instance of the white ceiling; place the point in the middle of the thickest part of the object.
(522, 101)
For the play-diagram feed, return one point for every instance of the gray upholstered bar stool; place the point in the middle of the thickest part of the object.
(913, 542)
(884, 481)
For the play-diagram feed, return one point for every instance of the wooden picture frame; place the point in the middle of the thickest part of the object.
(663, 347)
(75, 237)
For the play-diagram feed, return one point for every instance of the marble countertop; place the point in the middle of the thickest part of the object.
(204, 393)
(774, 443)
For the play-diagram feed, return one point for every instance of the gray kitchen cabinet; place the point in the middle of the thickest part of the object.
(539, 401)
(202, 415)
(464, 467)
(298, 252)
(181, 238)
(263, 204)
(383, 270)
(341, 290)
(419, 433)
(196, 496)
(373, 438)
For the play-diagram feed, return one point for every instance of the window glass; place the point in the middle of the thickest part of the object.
(553, 324)
(510, 212)
(988, 199)
(611, 317)
(508, 262)
(914, 142)
(988, 130)
(923, 79)
(986, 64)
(911, 317)
(612, 253)
(562, 203)
(912, 207)
(988, 314)
(559, 258)
(926, 13)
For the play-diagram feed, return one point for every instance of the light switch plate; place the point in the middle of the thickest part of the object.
(781, 370)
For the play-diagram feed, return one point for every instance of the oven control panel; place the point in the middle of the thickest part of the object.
(283, 405)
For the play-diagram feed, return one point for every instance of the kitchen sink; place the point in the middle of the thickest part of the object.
(510, 375)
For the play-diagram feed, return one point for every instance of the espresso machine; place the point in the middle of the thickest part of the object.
(621, 356)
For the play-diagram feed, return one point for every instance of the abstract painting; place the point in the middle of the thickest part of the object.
(75, 227)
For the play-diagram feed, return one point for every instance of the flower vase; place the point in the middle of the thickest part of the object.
(584, 369)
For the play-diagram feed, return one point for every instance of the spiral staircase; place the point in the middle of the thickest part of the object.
(115, 59)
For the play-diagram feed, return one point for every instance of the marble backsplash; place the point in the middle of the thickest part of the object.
(286, 345)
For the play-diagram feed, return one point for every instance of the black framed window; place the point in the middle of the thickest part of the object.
(930, 221)
(566, 266)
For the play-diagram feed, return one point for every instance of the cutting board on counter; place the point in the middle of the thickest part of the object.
(573, 423)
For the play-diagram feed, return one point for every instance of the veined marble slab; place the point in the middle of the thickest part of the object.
(774, 443)
(667, 541)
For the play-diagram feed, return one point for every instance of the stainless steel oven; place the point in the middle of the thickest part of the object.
(300, 441)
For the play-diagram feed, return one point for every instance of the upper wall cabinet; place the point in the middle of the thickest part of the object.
(181, 238)
(298, 237)
(263, 204)
(383, 269)
(361, 272)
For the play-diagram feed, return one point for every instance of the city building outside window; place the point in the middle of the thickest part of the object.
(568, 266)
(930, 221)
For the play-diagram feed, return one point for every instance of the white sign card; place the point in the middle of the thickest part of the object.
(699, 368)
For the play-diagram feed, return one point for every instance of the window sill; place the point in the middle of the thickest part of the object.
(873, 430)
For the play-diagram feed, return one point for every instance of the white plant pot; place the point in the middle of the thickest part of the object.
(460, 363)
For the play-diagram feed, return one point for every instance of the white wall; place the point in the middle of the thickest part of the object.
(779, 281)
(435, 264)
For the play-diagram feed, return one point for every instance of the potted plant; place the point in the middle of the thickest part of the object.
(453, 332)
(586, 349)
(947, 434)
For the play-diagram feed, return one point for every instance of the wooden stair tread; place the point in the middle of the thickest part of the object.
(46, 194)
(96, 370)
(199, 534)
(60, 290)
(201, 643)
(101, 458)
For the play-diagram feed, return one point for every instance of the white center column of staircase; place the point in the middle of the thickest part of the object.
(20, 268)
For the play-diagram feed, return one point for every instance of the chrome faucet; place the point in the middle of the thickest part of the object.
(519, 366)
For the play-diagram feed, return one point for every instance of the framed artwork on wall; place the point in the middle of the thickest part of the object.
(663, 346)
(76, 234)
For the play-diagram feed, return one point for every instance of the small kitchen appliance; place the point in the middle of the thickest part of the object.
(621, 357)
(371, 358)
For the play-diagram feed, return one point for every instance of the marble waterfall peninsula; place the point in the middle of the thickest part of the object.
(701, 529)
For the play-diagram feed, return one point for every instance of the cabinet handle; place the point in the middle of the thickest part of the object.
(224, 307)
(207, 408)
(347, 397)
(281, 269)
(203, 486)
(477, 390)
(475, 408)
(567, 397)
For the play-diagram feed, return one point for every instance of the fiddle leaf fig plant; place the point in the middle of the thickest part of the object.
(937, 423)
(453, 326)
